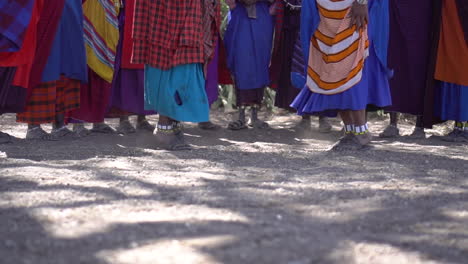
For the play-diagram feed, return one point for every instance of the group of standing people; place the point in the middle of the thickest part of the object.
(80, 61)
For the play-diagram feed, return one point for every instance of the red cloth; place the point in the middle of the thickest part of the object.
(128, 38)
(452, 57)
(46, 30)
(169, 33)
(224, 75)
(50, 99)
(94, 98)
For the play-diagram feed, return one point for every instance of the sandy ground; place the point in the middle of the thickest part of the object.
(253, 196)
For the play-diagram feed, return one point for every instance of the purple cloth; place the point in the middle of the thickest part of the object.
(211, 84)
(12, 98)
(128, 92)
(15, 16)
(409, 54)
(286, 92)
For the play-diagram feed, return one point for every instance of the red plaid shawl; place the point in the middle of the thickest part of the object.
(169, 33)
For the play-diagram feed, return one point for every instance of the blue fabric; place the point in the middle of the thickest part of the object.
(451, 102)
(15, 17)
(248, 45)
(68, 54)
(178, 93)
(373, 89)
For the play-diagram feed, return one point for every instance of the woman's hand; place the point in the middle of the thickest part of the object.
(359, 15)
(231, 4)
(273, 9)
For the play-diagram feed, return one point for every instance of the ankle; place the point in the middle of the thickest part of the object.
(349, 129)
(361, 129)
(164, 128)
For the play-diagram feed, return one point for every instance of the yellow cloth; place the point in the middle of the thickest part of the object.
(101, 25)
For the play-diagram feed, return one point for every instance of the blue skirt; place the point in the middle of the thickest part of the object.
(248, 45)
(373, 89)
(451, 102)
(178, 93)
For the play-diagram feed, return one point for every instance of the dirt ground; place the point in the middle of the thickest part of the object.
(253, 196)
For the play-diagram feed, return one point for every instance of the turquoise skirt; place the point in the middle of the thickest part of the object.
(178, 93)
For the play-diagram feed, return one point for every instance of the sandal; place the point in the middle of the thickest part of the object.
(258, 124)
(38, 133)
(390, 132)
(171, 141)
(237, 125)
(347, 142)
(62, 132)
(125, 128)
(80, 130)
(145, 126)
(418, 133)
(5, 138)
(102, 128)
(208, 126)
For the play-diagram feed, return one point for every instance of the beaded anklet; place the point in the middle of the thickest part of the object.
(361, 130)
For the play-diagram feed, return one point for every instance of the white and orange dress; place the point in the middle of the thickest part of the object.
(347, 67)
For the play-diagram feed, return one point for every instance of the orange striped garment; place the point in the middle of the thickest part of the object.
(337, 50)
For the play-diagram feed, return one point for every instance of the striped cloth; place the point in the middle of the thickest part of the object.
(337, 50)
(101, 28)
(49, 99)
(15, 16)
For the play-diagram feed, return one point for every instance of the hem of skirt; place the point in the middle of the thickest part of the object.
(314, 111)
(46, 120)
(452, 118)
(183, 119)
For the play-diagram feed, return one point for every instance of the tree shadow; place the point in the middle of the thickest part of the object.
(293, 213)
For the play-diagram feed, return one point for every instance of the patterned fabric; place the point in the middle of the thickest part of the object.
(101, 28)
(337, 50)
(49, 99)
(15, 16)
(209, 26)
(169, 33)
